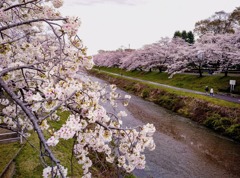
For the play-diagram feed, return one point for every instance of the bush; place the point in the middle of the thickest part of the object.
(169, 101)
(234, 131)
(209, 122)
(218, 123)
(184, 111)
(145, 93)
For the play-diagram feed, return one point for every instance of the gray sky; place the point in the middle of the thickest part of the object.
(111, 24)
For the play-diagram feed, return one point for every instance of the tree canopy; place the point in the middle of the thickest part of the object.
(219, 23)
(43, 67)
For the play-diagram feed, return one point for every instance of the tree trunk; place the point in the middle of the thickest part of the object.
(160, 69)
(226, 73)
(1, 91)
(200, 72)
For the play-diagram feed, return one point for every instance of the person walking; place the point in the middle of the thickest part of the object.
(211, 92)
(206, 89)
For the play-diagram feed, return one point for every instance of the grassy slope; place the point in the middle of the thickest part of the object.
(193, 82)
(7, 152)
(163, 78)
(212, 100)
(28, 163)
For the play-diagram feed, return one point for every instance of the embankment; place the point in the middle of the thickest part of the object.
(224, 120)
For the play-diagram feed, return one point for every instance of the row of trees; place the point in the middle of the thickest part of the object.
(220, 52)
(40, 55)
(215, 50)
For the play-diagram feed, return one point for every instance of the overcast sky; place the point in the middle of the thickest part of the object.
(112, 24)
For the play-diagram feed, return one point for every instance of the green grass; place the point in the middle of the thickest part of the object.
(28, 163)
(218, 82)
(214, 101)
(7, 152)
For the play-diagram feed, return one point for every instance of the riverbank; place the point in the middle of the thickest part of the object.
(183, 147)
(213, 114)
(191, 81)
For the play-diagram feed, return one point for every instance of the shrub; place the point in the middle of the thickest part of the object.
(218, 123)
(145, 93)
(234, 131)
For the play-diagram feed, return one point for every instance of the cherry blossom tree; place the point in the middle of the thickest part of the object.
(211, 49)
(42, 70)
(110, 58)
(138, 58)
(201, 54)
(152, 56)
(179, 54)
(131, 61)
(226, 50)
(157, 55)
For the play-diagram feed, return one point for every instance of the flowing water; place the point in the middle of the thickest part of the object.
(183, 148)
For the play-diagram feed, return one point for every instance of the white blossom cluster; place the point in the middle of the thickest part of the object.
(49, 171)
(11, 116)
(40, 60)
(71, 26)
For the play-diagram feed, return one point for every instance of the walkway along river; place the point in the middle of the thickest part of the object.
(219, 96)
(183, 148)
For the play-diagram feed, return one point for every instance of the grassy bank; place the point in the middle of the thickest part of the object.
(28, 163)
(221, 116)
(218, 82)
(7, 152)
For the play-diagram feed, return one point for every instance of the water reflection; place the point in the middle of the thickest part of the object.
(195, 151)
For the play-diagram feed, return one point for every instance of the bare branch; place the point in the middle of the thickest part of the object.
(30, 66)
(16, 39)
(18, 5)
(29, 22)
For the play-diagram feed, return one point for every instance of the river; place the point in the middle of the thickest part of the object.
(183, 148)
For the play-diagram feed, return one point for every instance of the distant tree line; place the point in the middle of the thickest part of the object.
(187, 36)
(217, 49)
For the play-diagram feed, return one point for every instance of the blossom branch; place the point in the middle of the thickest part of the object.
(18, 5)
(29, 22)
(32, 118)
(58, 106)
(10, 69)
